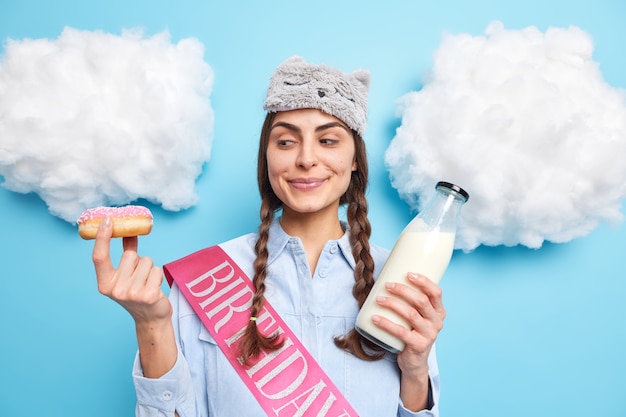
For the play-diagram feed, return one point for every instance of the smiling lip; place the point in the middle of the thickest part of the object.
(306, 183)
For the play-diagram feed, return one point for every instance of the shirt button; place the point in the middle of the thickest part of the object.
(333, 248)
(166, 395)
(323, 273)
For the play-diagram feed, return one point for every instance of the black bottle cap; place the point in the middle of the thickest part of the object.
(454, 188)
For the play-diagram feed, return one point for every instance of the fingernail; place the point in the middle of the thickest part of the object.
(107, 222)
(390, 285)
(380, 298)
(375, 318)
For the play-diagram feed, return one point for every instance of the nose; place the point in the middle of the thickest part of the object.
(307, 156)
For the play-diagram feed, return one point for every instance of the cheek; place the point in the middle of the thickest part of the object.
(275, 164)
(345, 166)
(344, 172)
(273, 171)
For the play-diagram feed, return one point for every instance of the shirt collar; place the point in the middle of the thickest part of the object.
(279, 238)
(277, 241)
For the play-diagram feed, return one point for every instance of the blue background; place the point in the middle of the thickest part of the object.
(528, 332)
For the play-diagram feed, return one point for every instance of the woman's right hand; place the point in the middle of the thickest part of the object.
(135, 284)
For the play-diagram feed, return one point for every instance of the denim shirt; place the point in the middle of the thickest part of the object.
(316, 306)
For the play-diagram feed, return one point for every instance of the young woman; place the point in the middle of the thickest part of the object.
(312, 267)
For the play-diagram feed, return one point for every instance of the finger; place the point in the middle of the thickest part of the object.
(101, 250)
(431, 289)
(156, 277)
(423, 329)
(399, 303)
(127, 269)
(142, 272)
(130, 243)
(409, 301)
(415, 307)
(154, 281)
(414, 339)
(145, 285)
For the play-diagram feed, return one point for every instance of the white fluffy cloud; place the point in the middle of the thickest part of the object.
(524, 121)
(92, 118)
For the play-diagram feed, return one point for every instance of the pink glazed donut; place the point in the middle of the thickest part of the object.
(127, 221)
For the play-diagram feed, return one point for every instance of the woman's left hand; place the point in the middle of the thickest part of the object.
(421, 305)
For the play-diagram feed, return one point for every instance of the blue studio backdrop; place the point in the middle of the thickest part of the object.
(528, 331)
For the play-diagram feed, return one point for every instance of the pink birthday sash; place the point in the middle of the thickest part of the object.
(285, 382)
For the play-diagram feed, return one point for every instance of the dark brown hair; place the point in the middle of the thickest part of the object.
(360, 230)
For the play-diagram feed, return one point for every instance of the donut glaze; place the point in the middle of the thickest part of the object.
(127, 221)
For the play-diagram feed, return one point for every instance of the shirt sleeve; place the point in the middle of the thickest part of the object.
(162, 396)
(173, 391)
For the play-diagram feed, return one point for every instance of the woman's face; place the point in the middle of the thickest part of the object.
(310, 159)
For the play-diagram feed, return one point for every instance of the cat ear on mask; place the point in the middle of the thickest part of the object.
(362, 78)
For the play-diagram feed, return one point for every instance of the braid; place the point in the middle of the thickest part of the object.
(360, 231)
(253, 342)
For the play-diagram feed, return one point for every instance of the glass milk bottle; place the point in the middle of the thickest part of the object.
(425, 246)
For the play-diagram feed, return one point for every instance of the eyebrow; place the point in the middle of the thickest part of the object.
(317, 129)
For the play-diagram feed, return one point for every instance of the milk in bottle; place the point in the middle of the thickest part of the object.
(425, 246)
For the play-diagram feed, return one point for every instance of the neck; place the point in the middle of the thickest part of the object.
(312, 226)
(313, 229)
